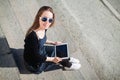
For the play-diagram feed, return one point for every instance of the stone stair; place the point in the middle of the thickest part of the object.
(8, 68)
(16, 16)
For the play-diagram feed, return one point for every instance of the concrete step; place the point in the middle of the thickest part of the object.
(8, 68)
(4, 48)
(10, 26)
(86, 70)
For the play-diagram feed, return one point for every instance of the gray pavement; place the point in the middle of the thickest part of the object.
(90, 27)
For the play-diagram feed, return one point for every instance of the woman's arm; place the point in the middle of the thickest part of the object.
(52, 42)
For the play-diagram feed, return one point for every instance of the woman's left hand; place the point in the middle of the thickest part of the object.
(56, 60)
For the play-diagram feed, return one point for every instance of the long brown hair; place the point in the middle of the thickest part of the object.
(36, 24)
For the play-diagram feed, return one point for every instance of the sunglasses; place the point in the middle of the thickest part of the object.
(44, 19)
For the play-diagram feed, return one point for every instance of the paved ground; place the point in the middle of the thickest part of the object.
(90, 27)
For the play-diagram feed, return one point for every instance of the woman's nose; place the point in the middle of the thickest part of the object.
(47, 22)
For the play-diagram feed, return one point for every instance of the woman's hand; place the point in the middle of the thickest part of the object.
(56, 60)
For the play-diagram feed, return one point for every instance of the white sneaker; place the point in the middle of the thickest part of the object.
(75, 66)
(73, 60)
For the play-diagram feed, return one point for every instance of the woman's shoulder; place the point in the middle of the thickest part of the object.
(32, 34)
(31, 39)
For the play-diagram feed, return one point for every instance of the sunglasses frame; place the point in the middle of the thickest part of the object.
(44, 19)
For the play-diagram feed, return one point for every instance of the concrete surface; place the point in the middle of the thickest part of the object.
(89, 26)
(113, 7)
(115, 4)
(8, 68)
(97, 36)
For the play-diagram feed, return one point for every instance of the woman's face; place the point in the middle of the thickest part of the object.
(45, 20)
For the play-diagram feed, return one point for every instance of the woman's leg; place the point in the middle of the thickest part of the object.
(50, 65)
(49, 51)
(65, 63)
(32, 68)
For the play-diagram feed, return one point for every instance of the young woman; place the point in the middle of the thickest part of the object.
(35, 55)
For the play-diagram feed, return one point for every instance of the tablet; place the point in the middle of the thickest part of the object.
(60, 50)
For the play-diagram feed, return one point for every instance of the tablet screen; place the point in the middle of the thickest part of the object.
(61, 51)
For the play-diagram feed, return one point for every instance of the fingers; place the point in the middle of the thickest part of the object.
(57, 60)
(57, 43)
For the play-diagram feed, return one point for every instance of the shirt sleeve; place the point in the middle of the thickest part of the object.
(32, 48)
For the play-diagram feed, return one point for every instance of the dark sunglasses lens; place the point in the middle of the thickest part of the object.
(50, 20)
(44, 19)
